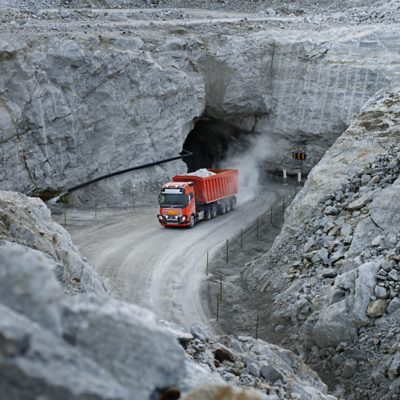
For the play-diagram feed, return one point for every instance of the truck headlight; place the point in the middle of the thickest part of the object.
(184, 218)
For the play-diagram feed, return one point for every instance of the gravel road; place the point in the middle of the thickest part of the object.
(160, 268)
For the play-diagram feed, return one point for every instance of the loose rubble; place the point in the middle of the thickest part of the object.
(340, 274)
(202, 173)
(249, 363)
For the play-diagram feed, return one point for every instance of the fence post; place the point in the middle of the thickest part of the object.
(220, 287)
(257, 324)
(227, 251)
(284, 177)
(217, 307)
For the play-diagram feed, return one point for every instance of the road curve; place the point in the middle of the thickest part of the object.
(160, 268)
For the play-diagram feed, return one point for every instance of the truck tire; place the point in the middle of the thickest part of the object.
(233, 202)
(228, 206)
(214, 211)
(192, 221)
(222, 208)
(208, 214)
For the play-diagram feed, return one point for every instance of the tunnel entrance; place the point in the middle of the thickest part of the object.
(211, 141)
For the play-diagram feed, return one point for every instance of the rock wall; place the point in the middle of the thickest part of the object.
(76, 106)
(27, 221)
(336, 290)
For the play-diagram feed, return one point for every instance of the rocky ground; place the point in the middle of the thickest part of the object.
(64, 346)
(334, 293)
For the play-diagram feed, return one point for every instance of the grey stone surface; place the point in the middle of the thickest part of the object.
(27, 221)
(36, 364)
(349, 368)
(385, 209)
(377, 308)
(381, 292)
(270, 373)
(364, 289)
(360, 202)
(333, 326)
(394, 305)
(394, 367)
(139, 354)
(28, 285)
(84, 346)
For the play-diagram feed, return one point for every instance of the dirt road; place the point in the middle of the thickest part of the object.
(159, 268)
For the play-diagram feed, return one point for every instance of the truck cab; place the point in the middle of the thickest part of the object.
(177, 204)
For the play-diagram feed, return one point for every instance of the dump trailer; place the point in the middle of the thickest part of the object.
(191, 198)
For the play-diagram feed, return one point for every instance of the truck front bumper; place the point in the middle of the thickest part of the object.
(171, 221)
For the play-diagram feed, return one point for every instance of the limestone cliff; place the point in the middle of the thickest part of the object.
(75, 105)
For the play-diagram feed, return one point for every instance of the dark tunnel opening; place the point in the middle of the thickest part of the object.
(213, 140)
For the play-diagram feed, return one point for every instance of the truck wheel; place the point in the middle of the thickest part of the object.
(214, 211)
(223, 208)
(228, 206)
(233, 202)
(208, 214)
(192, 221)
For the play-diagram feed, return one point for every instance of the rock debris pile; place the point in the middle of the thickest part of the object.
(202, 173)
(246, 362)
(336, 288)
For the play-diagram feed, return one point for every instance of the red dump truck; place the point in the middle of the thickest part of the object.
(191, 198)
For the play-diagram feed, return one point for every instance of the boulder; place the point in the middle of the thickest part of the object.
(29, 223)
(349, 368)
(36, 364)
(333, 327)
(219, 392)
(139, 353)
(394, 305)
(364, 289)
(385, 209)
(28, 285)
(360, 202)
(377, 308)
(222, 353)
(270, 373)
(381, 292)
(394, 367)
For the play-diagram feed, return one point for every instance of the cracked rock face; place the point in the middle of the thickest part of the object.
(76, 106)
(27, 221)
(347, 326)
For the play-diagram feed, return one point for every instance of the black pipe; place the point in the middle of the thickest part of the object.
(183, 154)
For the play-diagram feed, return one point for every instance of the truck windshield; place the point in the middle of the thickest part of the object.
(172, 200)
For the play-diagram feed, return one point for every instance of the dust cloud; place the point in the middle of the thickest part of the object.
(250, 164)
